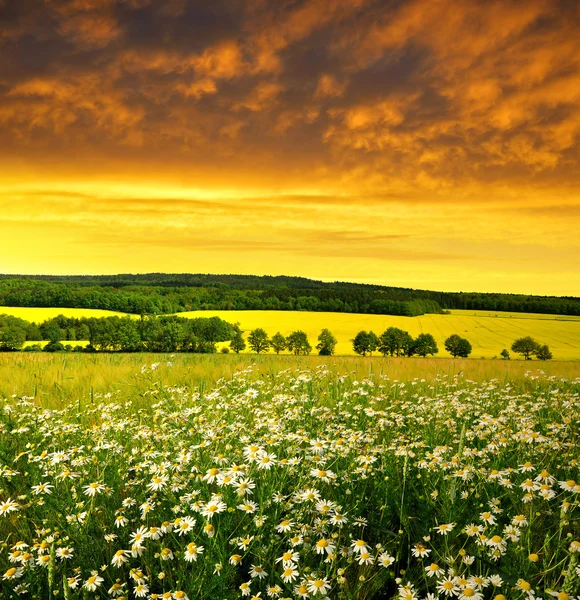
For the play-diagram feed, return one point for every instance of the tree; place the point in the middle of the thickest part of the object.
(544, 353)
(425, 344)
(457, 346)
(326, 343)
(526, 346)
(258, 340)
(360, 343)
(297, 342)
(12, 337)
(505, 354)
(373, 342)
(238, 343)
(278, 342)
(395, 341)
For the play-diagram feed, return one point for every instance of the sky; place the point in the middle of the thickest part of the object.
(430, 144)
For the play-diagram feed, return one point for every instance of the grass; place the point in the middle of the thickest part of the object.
(355, 481)
(488, 332)
(55, 379)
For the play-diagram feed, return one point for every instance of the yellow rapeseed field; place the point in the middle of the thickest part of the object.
(489, 332)
(37, 315)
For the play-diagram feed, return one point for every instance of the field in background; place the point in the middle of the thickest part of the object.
(37, 315)
(488, 332)
(56, 378)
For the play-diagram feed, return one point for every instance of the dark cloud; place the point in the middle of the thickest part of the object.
(415, 93)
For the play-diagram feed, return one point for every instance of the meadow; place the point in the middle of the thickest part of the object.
(323, 479)
(54, 379)
(488, 332)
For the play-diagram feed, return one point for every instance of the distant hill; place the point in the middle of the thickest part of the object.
(163, 293)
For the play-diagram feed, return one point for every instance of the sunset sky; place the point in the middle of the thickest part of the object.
(420, 143)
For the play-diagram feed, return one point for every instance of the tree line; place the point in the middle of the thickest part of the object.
(159, 293)
(117, 334)
(178, 334)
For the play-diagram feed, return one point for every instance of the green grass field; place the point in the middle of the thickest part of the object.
(488, 332)
(55, 379)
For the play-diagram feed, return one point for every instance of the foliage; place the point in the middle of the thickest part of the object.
(425, 344)
(258, 340)
(505, 354)
(458, 346)
(158, 293)
(544, 353)
(278, 342)
(364, 342)
(396, 342)
(526, 346)
(238, 343)
(326, 343)
(297, 342)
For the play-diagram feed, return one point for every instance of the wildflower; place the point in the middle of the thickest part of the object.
(289, 574)
(141, 590)
(266, 461)
(64, 553)
(318, 586)
(419, 551)
(13, 573)
(235, 559)
(487, 517)
(93, 582)
(42, 488)
(365, 558)
(385, 559)
(444, 528)
(248, 506)
(43, 560)
(185, 525)
(121, 521)
(359, 546)
(433, 569)
(213, 507)
(138, 537)
(288, 558)
(301, 590)
(193, 551)
(324, 475)
(258, 571)
(284, 525)
(323, 545)
(447, 587)
(92, 490)
(166, 554)
(120, 558)
(244, 486)
(245, 588)
(9, 506)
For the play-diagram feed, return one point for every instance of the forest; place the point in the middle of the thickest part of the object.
(160, 293)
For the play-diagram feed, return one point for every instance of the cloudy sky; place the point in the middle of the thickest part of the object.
(423, 143)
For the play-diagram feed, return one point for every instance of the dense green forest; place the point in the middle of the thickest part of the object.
(122, 334)
(159, 293)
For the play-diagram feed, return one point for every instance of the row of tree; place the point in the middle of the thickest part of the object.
(178, 334)
(296, 342)
(121, 334)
